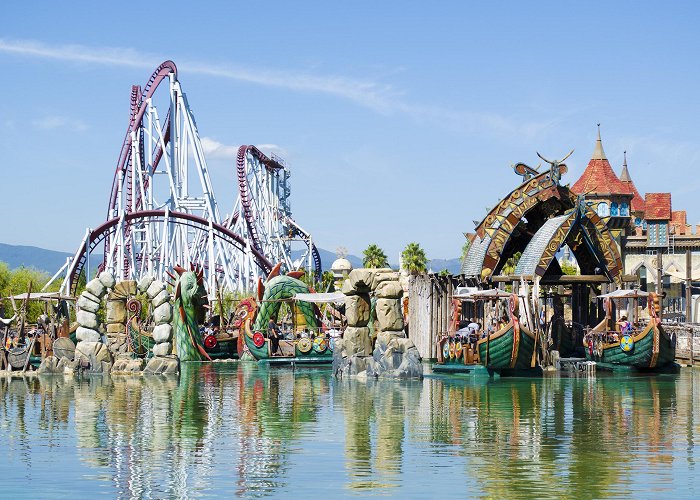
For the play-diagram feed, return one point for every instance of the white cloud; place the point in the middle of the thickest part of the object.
(216, 150)
(59, 122)
(379, 97)
(272, 149)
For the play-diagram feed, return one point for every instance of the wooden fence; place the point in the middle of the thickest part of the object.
(429, 311)
(687, 341)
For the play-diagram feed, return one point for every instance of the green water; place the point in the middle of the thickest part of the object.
(239, 430)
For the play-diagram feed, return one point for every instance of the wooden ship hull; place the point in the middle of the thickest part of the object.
(455, 357)
(142, 342)
(510, 351)
(291, 352)
(563, 338)
(653, 350)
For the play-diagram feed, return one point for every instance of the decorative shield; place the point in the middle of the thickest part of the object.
(63, 347)
(452, 350)
(210, 341)
(320, 344)
(446, 350)
(627, 343)
(331, 344)
(458, 349)
(304, 345)
(258, 339)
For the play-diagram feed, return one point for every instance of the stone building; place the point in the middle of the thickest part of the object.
(641, 226)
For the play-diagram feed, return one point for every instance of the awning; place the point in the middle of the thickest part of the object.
(41, 296)
(321, 298)
(484, 295)
(625, 294)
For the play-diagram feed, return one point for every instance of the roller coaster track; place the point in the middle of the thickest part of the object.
(246, 202)
(99, 235)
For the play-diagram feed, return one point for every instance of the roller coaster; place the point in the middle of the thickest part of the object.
(163, 211)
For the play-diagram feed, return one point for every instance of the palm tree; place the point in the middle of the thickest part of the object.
(374, 257)
(414, 259)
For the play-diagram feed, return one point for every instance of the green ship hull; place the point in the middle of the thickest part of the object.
(314, 356)
(653, 350)
(508, 351)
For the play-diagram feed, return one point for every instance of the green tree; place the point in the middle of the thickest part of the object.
(374, 257)
(511, 264)
(414, 259)
(465, 248)
(569, 268)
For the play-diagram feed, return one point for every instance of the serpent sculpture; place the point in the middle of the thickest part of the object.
(188, 314)
(271, 294)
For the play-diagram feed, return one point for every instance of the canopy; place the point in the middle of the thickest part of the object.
(624, 294)
(41, 296)
(483, 295)
(321, 298)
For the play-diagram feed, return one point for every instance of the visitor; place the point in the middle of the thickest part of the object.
(624, 325)
(273, 333)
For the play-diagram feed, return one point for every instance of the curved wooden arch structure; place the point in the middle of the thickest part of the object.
(587, 236)
(541, 212)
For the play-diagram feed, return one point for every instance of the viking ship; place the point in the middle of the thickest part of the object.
(510, 350)
(631, 346)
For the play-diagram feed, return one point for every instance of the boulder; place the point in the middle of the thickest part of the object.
(115, 311)
(385, 275)
(395, 364)
(162, 333)
(349, 366)
(87, 304)
(389, 290)
(357, 309)
(87, 334)
(362, 280)
(165, 365)
(389, 315)
(50, 365)
(145, 282)
(155, 288)
(163, 314)
(356, 341)
(90, 297)
(162, 349)
(161, 298)
(93, 357)
(107, 279)
(128, 364)
(115, 328)
(96, 288)
(123, 289)
(385, 337)
(86, 319)
(347, 288)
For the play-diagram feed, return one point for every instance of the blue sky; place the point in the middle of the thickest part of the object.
(399, 121)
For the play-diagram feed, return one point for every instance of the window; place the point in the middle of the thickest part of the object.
(603, 209)
(637, 221)
(625, 209)
(613, 209)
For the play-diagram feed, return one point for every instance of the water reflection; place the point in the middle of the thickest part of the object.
(240, 430)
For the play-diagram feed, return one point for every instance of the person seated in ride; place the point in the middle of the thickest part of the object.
(274, 334)
(624, 325)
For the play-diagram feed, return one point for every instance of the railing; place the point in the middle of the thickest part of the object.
(687, 337)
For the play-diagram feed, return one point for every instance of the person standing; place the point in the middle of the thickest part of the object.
(273, 333)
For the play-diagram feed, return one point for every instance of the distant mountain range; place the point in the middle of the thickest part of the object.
(16, 256)
(50, 261)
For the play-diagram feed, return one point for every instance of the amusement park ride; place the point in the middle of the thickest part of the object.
(163, 211)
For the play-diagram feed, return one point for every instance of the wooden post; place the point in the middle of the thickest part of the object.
(688, 286)
(660, 280)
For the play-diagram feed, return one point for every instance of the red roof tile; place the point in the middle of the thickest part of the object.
(658, 206)
(637, 204)
(679, 217)
(599, 178)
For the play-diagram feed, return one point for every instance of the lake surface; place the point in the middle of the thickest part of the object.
(230, 429)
